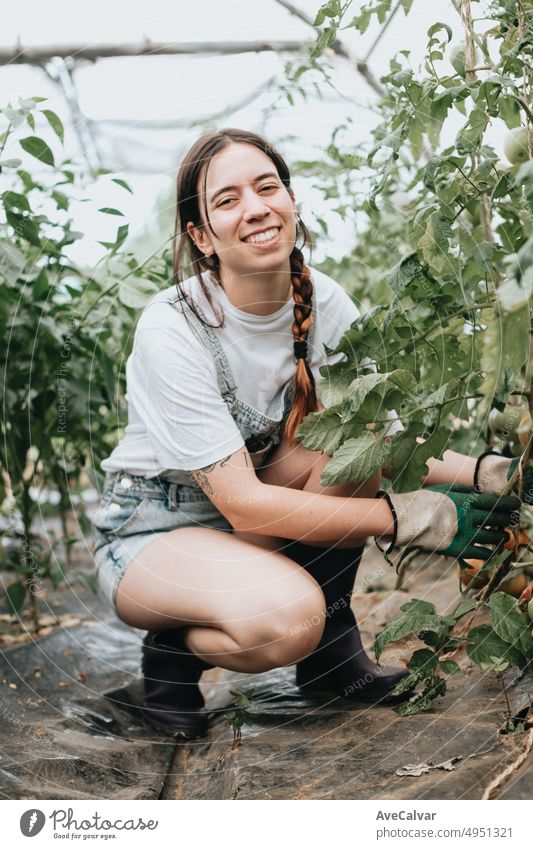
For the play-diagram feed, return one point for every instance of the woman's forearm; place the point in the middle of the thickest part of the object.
(453, 468)
(312, 517)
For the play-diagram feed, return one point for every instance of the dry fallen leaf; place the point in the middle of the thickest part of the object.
(421, 769)
(31, 703)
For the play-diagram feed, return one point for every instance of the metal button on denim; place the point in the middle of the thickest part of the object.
(114, 508)
(125, 482)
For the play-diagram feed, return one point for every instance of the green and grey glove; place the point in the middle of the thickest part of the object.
(453, 520)
(493, 472)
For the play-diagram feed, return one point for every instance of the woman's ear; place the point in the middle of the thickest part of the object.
(200, 238)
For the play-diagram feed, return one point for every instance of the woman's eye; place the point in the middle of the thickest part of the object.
(225, 201)
(268, 187)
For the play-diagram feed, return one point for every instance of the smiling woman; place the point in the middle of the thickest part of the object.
(214, 531)
(253, 241)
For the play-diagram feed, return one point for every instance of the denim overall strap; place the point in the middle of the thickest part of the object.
(226, 381)
(227, 385)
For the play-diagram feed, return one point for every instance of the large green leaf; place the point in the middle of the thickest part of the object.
(435, 242)
(360, 388)
(403, 273)
(56, 123)
(381, 386)
(490, 652)
(470, 136)
(417, 605)
(510, 624)
(334, 384)
(356, 460)
(409, 623)
(505, 350)
(423, 661)
(322, 431)
(409, 457)
(37, 147)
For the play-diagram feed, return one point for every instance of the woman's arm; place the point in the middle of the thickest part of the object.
(453, 468)
(254, 507)
(449, 523)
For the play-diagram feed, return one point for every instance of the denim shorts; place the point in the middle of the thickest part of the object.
(133, 512)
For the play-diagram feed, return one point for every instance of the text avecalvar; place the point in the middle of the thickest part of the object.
(405, 815)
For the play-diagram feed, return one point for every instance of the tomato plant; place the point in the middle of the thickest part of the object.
(446, 340)
(65, 328)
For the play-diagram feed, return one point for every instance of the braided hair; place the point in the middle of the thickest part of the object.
(193, 168)
(305, 400)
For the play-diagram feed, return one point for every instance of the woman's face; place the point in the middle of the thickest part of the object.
(250, 210)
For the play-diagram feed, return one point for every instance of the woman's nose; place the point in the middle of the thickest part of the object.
(254, 207)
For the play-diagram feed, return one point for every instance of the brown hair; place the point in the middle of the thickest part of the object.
(192, 168)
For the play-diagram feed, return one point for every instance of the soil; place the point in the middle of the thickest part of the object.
(72, 729)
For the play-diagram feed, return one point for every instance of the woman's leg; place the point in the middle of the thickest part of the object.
(339, 662)
(244, 608)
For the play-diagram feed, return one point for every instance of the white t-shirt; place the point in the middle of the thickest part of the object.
(177, 418)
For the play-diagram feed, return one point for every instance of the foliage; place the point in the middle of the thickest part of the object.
(66, 328)
(241, 715)
(454, 308)
(444, 256)
(506, 642)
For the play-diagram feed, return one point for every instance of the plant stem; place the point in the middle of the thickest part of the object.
(504, 690)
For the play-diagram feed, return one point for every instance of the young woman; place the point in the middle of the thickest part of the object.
(214, 533)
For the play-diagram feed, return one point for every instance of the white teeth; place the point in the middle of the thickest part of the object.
(263, 237)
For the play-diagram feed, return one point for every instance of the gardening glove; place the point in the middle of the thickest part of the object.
(493, 472)
(451, 520)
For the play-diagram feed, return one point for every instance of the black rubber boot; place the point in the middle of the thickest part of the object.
(172, 698)
(339, 663)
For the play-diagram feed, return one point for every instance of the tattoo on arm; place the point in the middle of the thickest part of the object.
(199, 476)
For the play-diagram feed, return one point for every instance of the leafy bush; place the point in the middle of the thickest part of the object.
(66, 329)
(448, 335)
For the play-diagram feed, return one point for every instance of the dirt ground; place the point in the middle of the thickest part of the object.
(71, 727)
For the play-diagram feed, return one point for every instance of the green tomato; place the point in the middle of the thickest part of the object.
(458, 58)
(506, 421)
(515, 145)
(530, 610)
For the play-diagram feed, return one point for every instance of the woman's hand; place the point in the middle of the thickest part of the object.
(494, 473)
(454, 521)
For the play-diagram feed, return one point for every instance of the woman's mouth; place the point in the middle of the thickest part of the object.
(268, 237)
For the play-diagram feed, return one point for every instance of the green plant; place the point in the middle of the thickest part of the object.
(66, 329)
(506, 642)
(443, 264)
(240, 715)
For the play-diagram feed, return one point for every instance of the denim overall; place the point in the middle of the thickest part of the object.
(134, 509)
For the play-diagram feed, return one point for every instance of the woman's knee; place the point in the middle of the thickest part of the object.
(279, 636)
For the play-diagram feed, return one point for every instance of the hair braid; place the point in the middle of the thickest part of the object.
(305, 400)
